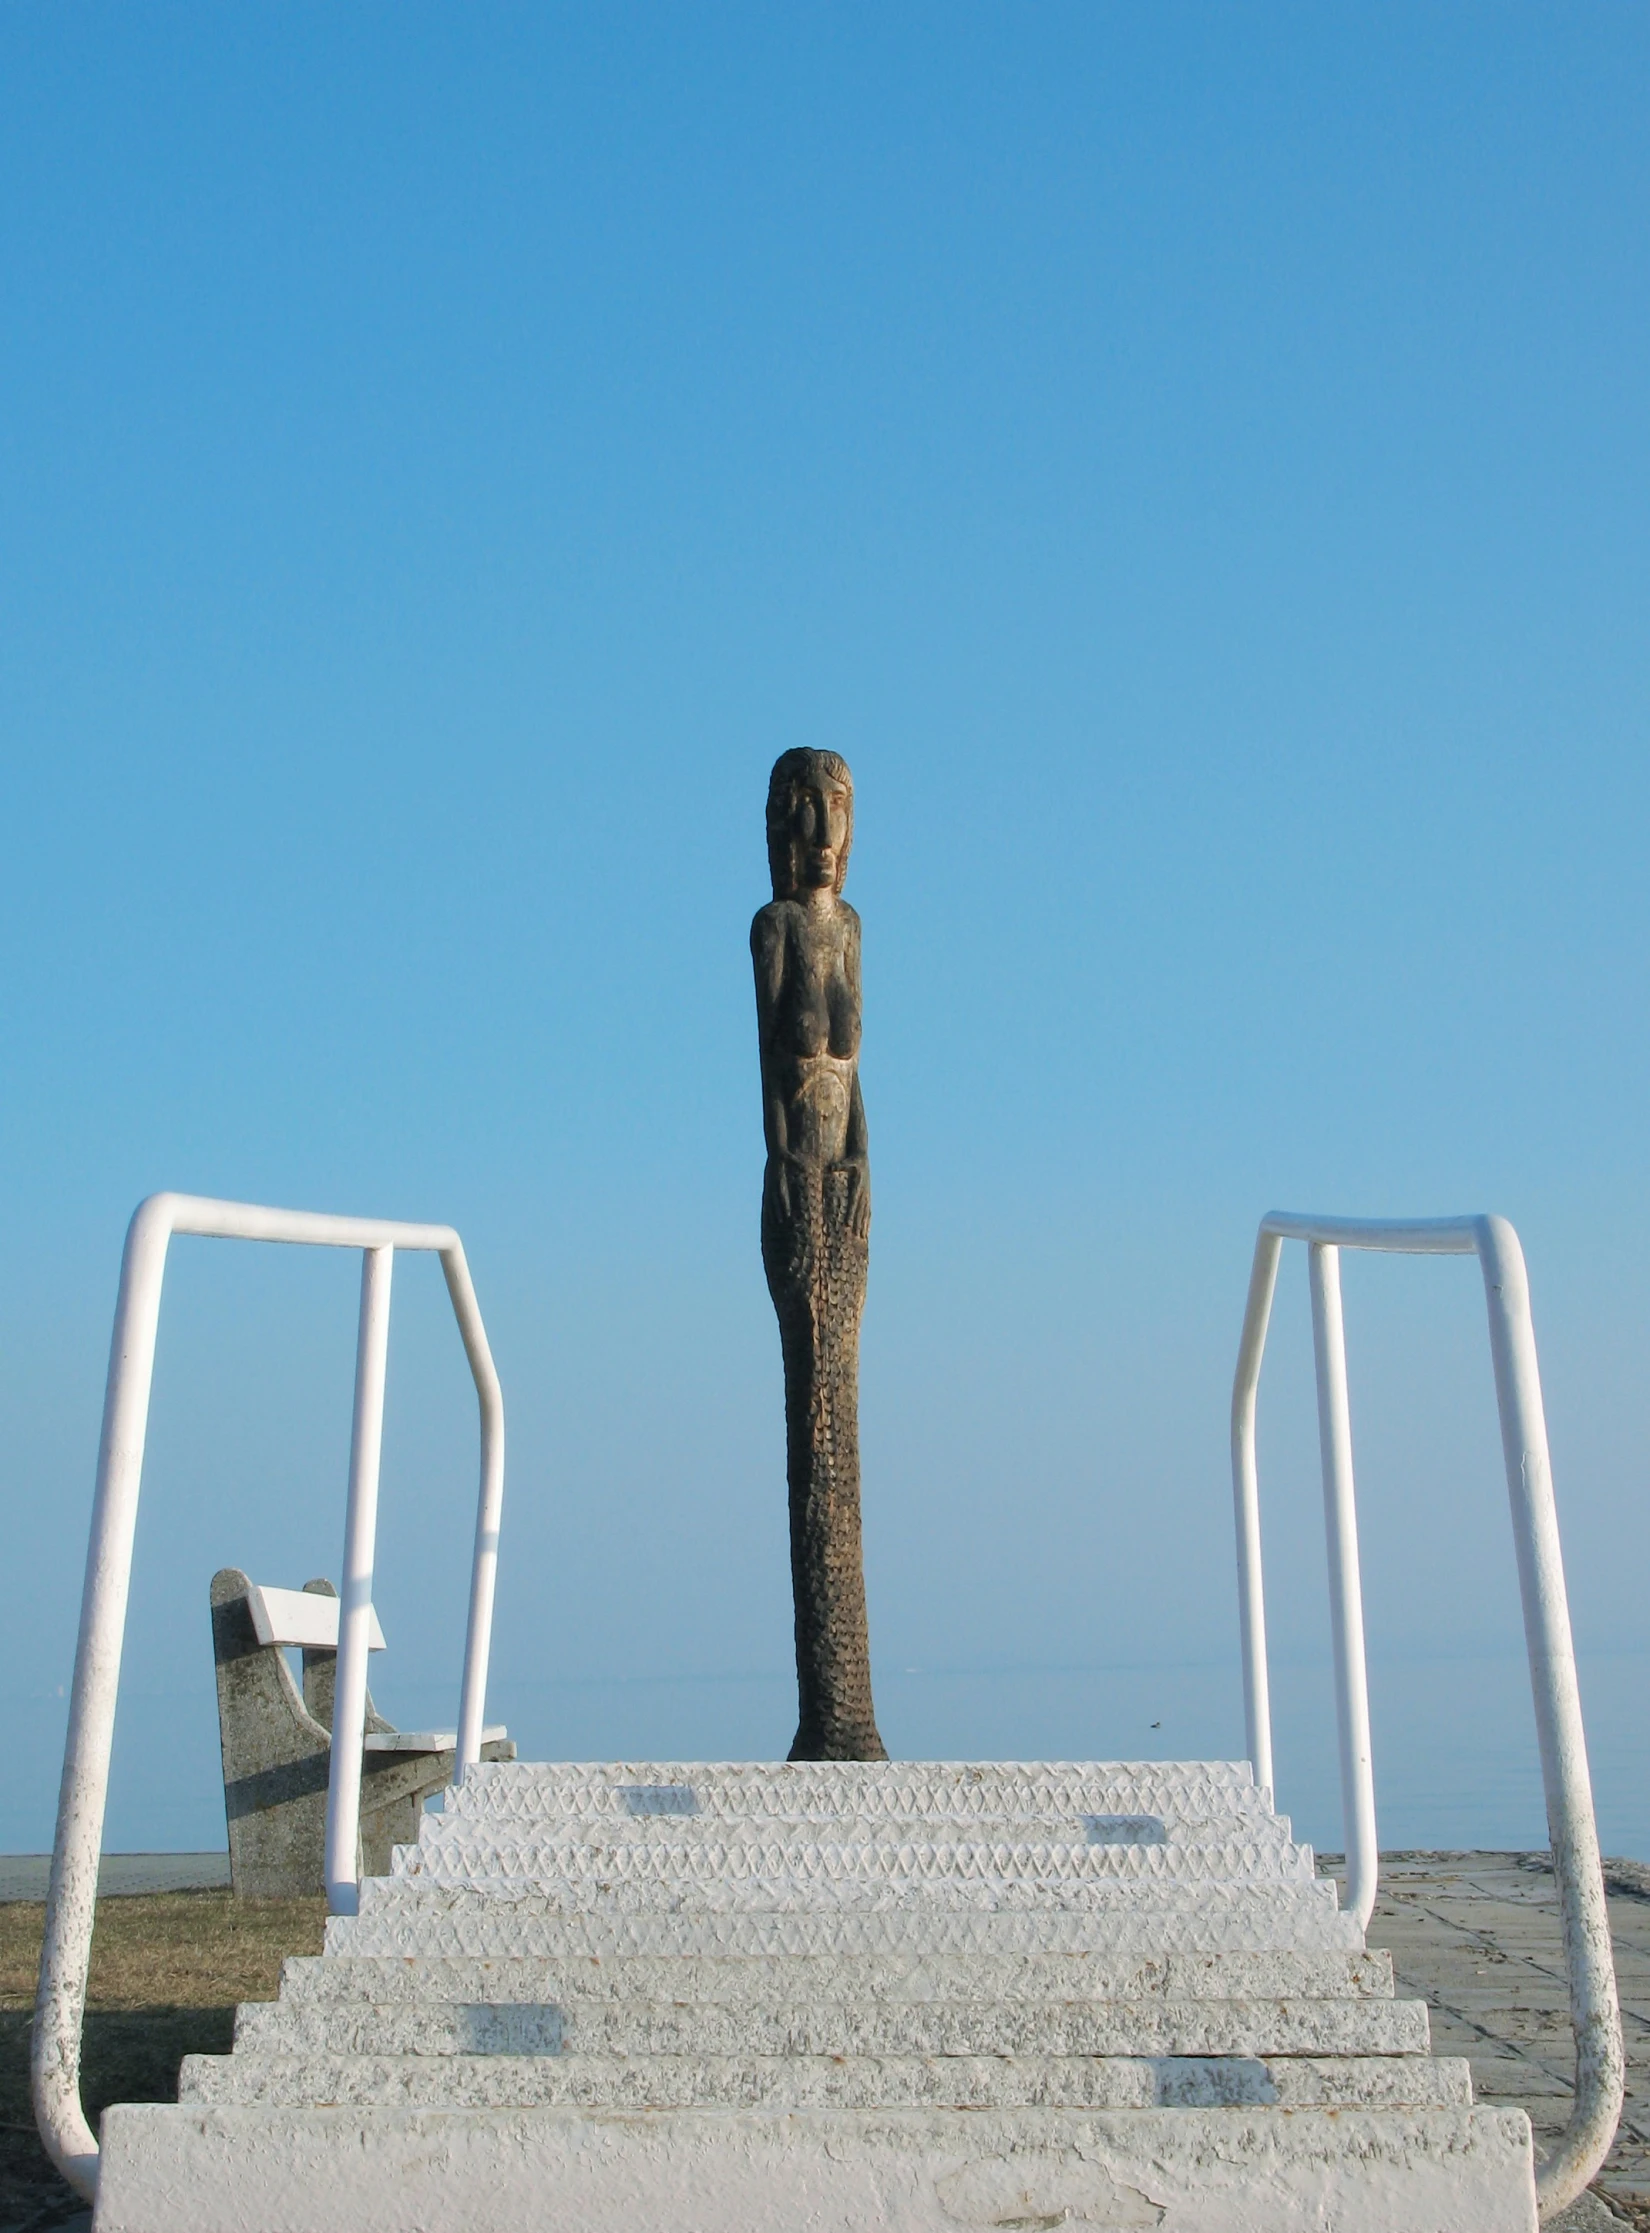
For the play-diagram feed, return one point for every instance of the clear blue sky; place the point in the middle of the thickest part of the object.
(1193, 461)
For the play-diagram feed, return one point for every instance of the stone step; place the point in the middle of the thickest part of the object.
(636, 1997)
(1202, 1849)
(857, 2028)
(403, 1915)
(730, 1873)
(820, 2082)
(821, 1792)
(766, 1979)
(1247, 2170)
(1196, 1823)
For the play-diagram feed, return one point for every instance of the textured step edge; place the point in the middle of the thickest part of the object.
(1105, 1832)
(326, 1979)
(817, 1792)
(712, 1846)
(1006, 1802)
(243, 2170)
(866, 1775)
(870, 2028)
(758, 1803)
(915, 1899)
(446, 1923)
(811, 2082)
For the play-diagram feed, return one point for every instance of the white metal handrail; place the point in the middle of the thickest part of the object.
(1594, 2014)
(71, 1896)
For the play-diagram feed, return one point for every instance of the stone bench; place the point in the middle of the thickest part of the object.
(277, 1742)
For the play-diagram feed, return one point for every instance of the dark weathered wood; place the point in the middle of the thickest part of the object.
(816, 1223)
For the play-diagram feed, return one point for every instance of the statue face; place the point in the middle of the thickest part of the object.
(816, 831)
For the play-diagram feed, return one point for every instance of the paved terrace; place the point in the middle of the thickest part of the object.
(1476, 1935)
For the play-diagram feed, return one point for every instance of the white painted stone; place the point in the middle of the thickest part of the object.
(1209, 1845)
(761, 1785)
(237, 2170)
(404, 1916)
(635, 1795)
(930, 2027)
(498, 2079)
(762, 1979)
(425, 1740)
(728, 1877)
(293, 1617)
(710, 1997)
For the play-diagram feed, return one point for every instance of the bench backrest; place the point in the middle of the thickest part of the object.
(300, 1617)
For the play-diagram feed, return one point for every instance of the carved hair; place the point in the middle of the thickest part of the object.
(791, 768)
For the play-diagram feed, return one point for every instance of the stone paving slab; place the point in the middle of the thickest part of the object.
(1477, 1937)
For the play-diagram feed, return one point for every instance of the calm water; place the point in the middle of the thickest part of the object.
(1455, 1754)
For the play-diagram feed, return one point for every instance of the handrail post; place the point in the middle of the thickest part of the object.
(349, 1710)
(71, 1892)
(1346, 1602)
(1257, 1699)
(1595, 2015)
(478, 1634)
(71, 1898)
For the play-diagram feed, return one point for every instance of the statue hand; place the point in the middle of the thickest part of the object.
(777, 1182)
(859, 1196)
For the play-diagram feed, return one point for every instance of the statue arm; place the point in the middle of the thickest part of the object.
(857, 1163)
(857, 1160)
(768, 958)
(859, 1144)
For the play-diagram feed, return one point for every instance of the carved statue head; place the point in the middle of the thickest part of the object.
(810, 822)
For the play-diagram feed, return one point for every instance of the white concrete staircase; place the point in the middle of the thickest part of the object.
(741, 1998)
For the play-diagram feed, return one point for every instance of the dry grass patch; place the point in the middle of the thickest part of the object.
(167, 1970)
